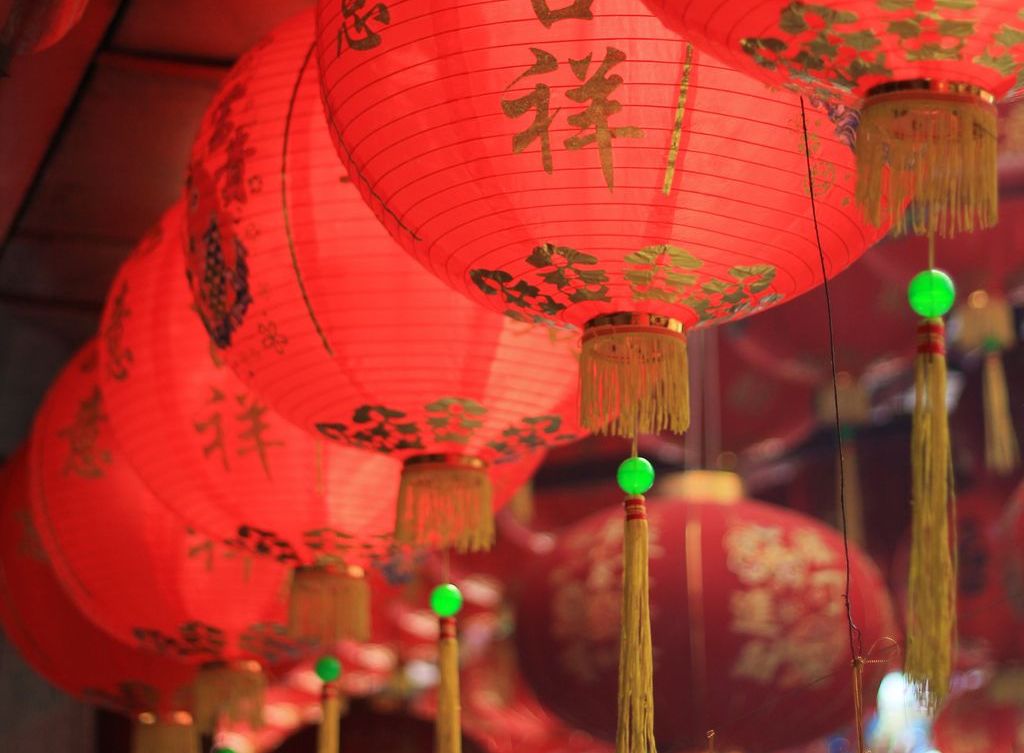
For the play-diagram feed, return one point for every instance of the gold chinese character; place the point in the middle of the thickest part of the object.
(355, 26)
(753, 613)
(593, 121)
(253, 439)
(579, 9)
(538, 100)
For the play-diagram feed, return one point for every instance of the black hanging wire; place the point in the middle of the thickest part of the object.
(856, 640)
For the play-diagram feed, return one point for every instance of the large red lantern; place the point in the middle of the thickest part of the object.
(987, 720)
(577, 163)
(928, 73)
(132, 566)
(34, 25)
(317, 308)
(60, 643)
(747, 619)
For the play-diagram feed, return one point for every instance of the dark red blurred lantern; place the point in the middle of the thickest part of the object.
(62, 645)
(1011, 547)
(33, 25)
(747, 619)
(317, 308)
(988, 629)
(927, 72)
(987, 720)
(578, 163)
(133, 567)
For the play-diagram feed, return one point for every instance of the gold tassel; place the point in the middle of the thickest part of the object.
(636, 662)
(172, 734)
(853, 496)
(931, 601)
(448, 729)
(1002, 453)
(858, 702)
(634, 376)
(521, 504)
(854, 410)
(230, 690)
(986, 323)
(329, 604)
(329, 736)
(939, 146)
(445, 501)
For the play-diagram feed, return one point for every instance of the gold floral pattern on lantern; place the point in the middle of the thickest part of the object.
(787, 607)
(587, 599)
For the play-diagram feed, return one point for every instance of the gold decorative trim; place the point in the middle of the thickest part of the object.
(612, 322)
(450, 460)
(892, 89)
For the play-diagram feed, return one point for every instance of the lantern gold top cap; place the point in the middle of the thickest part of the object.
(719, 487)
(603, 323)
(451, 460)
(926, 86)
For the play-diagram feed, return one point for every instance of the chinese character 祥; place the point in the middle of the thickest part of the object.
(253, 439)
(578, 9)
(355, 26)
(592, 122)
(213, 423)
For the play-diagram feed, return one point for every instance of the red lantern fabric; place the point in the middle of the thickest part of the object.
(53, 635)
(989, 719)
(930, 72)
(318, 309)
(212, 449)
(126, 560)
(989, 623)
(747, 620)
(846, 48)
(34, 25)
(568, 162)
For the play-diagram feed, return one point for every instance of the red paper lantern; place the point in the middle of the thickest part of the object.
(34, 25)
(989, 623)
(928, 74)
(747, 618)
(132, 566)
(989, 720)
(62, 645)
(340, 331)
(576, 162)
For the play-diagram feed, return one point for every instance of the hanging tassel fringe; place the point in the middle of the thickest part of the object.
(445, 501)
(634, 378)
(329, 735)
(153, 735)
(940, 151)
(234, 691)
(858, 703)
(329, 605)
(1002, 453)
(931, 602)
(986, 323)
(521, 504)
(448, 729)
(636, 663)
(852, 494)
(854, 412)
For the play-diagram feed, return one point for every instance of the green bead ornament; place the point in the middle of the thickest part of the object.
(635, 475)
(223, 750)
(931, 293)
(328, 668)
(446, 600)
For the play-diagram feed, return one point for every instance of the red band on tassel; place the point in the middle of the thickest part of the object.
(447, 627)
(636, 509)
(330, 690)
(931, 337)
